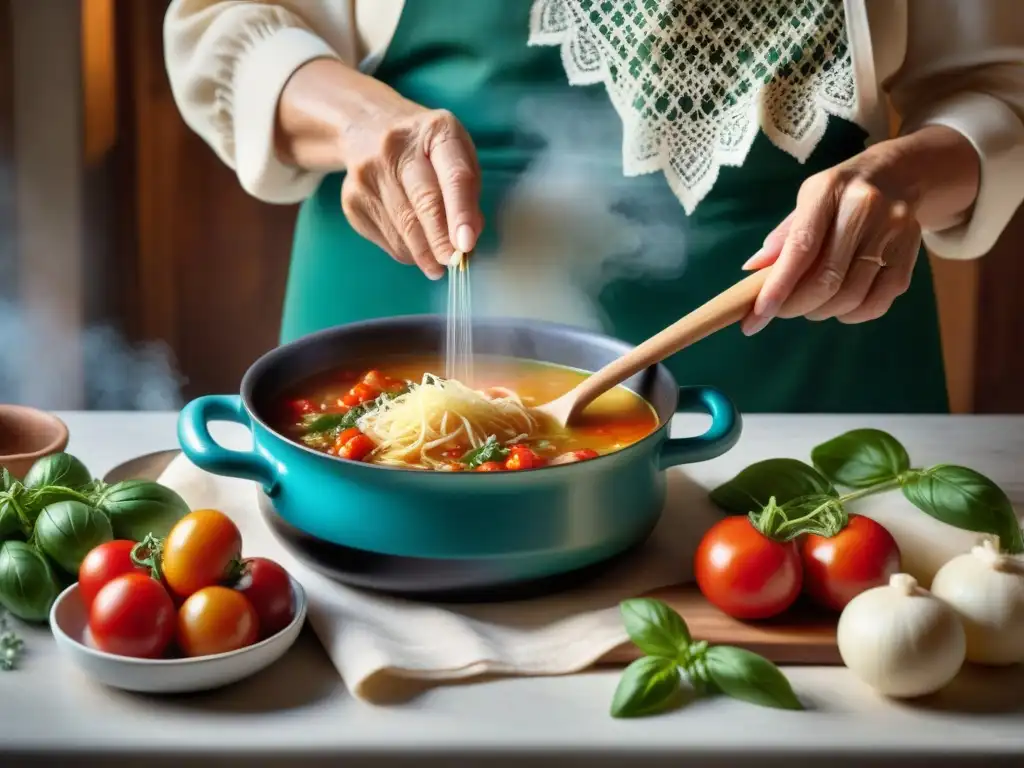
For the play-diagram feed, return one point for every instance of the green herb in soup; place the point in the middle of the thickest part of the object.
(402, 415)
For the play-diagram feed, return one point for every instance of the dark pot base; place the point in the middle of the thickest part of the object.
(426, 579)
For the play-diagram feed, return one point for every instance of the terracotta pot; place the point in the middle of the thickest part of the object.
(28, 434)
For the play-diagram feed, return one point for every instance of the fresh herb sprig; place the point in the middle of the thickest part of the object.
(786, 498)
(326, 426)
(11, 646)
(652, 683)
(491, 450)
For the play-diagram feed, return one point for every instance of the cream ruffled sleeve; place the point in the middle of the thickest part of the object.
(228, 63)
(964, 68)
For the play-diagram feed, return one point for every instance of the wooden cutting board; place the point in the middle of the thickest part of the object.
(802, 636)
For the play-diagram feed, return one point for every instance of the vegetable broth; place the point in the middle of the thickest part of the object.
(314, 413)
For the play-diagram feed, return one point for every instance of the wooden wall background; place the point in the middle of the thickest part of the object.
(202, 266)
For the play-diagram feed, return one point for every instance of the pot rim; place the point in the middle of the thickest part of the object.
(255, 371)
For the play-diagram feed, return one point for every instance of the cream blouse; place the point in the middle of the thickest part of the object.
(957, 63)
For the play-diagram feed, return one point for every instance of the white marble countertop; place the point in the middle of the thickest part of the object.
(298, 713)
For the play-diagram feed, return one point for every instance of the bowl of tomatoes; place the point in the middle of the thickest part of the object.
(176, 615)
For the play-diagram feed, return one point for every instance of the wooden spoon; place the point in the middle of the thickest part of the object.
(728, 307)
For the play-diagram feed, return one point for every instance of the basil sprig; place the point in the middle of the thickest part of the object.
(651, 684)
(786, 497)
(491, 450)
(321, 425)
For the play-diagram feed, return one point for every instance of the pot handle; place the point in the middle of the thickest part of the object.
(725, 429)
(202, 450)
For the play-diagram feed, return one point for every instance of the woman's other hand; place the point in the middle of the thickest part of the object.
(412, 182)
(849, 247)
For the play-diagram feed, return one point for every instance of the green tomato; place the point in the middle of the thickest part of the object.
(68, 530)
(59, 469)
(140, 507)
(28, 586)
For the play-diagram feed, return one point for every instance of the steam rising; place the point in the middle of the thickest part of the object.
(572, 223)
(117, 375)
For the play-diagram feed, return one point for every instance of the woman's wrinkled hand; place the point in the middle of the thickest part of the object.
(413, 184)
(848, 249)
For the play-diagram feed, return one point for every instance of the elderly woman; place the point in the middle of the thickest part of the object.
(758, 131)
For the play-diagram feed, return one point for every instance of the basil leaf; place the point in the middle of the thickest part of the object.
(785, 479)
(60, 469)
(861, 458)
(7, 480)
(68, 530)
(965, 499)
(28, 586)
(338, 422)
(647, 686)
(139, 507)
(655, 628)
(489, 451)
(746, 676)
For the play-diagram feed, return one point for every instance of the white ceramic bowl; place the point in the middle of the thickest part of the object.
(69, 622)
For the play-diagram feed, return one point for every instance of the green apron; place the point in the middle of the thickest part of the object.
(471, 57)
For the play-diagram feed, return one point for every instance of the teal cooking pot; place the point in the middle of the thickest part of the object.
(438, 533)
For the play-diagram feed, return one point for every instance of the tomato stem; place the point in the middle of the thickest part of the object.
(819, 514)
(147, 554)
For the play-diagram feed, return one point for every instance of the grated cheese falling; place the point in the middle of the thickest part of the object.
(459, 337)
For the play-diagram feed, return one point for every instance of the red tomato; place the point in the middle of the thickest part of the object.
(200, 551)
(364, 393)
(521, 457)
(491, 466)
(861, 556)
(132, 615)
(573, 456)
(745, 574)
(302, 407)
(216, 620)
(350, 400)
(377, 380)
(357, 448)
(343, 439)
(268, 589)
(104, 563)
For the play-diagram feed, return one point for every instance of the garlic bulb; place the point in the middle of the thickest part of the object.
(900, 639)
(986, 589)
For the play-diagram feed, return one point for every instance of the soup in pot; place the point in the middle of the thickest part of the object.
(400, 414)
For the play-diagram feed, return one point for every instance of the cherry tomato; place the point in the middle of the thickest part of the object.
(745, 574)
(302, 407)
(521, 457)
(350, 400)
(132, 615)
(377, 380)
(573, 456)
(837, 569)
(268, 589)
(356, 449)
(491, 466)
(104, 563)
(342, 439)
(216, 620)
(200, 551)
(365, 393)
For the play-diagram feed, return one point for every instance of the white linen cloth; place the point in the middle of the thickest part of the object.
(380, 643)
(386, 648)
